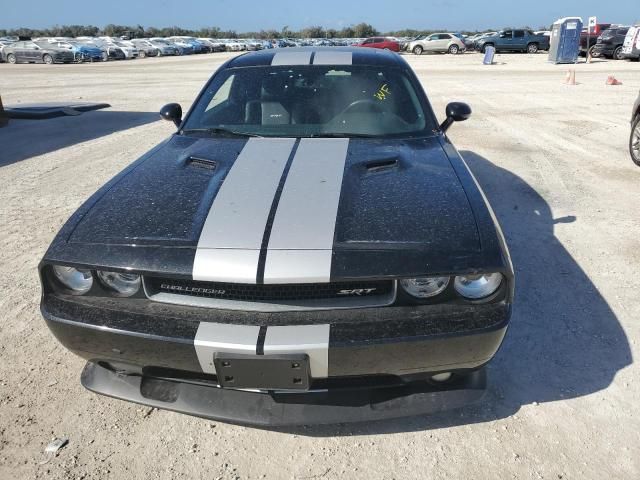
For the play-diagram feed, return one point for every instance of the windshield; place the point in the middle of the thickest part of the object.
(310, 101)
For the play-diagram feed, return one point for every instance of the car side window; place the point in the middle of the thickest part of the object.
(433, 37)
(444, 36)
(518, 33)
(367, 41)
(508, 33)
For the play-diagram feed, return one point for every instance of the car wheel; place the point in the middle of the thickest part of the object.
(11, 58)
(48, 59)
(617, 54)
(105, 56)
(142, 54)
(532, 48)
(454, 49)
(417, 50)
(634, 141)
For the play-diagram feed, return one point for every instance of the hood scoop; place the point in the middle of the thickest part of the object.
(200, 162)
(381, 164)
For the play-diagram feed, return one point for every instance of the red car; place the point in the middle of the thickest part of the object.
(381, 42)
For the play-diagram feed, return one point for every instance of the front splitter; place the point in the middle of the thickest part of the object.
(271, 409)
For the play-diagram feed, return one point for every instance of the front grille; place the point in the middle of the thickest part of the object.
(242, 296)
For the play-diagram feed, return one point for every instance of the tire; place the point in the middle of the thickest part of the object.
(617, 53)
(48, 59)
(417, 50)
(634, 141)
(532, 48)
(142, 54)
(590, 52)
(11, 58)
(454, 49)
(484, 47)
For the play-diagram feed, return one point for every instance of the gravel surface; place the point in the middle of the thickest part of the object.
(553, 160)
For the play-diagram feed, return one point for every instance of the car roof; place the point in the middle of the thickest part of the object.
(359, 55)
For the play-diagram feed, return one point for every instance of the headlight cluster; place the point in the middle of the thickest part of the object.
(472, 287)
(79, 281)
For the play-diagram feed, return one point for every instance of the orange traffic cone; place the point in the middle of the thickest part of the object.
(570, 79)
(611, 80)
(4, 118)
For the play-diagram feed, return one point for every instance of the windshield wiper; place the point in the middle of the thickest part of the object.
(343, 135)
(220, 131)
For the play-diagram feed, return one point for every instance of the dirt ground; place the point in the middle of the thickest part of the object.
(553, 160)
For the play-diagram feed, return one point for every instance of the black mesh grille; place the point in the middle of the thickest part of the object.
(270, 293)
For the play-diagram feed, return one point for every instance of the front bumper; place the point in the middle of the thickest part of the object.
(269, 409)
(388, 352)
(603, 49)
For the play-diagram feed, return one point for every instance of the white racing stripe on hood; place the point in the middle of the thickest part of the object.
(230, 241)
(291, 58)
(301, 242)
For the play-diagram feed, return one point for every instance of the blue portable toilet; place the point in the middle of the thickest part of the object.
(565, 40)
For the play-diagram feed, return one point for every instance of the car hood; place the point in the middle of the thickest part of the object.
(378, 203)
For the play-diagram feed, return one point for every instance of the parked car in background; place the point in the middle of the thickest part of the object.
(233, 45)
(179, 49)
(185, 41)
(588, 39)
(129, 49)
(145, 48)
(631, 46)
(4, 43)
(82, 52)
(36, 52)
(110, 51)
(634, 139)
(437, 43)
(215, 45)
(610, 43)
(518, 40)
(383, 43)
(161, 48)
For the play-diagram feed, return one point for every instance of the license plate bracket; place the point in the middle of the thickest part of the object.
(264, 372)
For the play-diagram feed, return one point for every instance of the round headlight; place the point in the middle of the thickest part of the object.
(79, 281)
(475, 287)
(124, 284)
(424, 287)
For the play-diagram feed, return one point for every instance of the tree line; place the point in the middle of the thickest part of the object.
(361, 30)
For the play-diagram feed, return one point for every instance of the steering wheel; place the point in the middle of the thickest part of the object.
(364, 104)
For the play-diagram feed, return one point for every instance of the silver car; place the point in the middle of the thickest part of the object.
(437, 43)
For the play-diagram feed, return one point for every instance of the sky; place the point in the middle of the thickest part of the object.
(253, 15)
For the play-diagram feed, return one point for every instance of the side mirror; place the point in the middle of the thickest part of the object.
(456, 112)
(172, 112)
(503, 35)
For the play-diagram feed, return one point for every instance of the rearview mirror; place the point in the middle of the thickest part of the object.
(172, 112)
(456, 112)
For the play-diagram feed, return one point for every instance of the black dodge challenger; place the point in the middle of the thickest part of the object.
(308, 247)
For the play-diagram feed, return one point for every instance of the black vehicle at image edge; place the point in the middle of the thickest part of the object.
(634, 138)
(309, 247)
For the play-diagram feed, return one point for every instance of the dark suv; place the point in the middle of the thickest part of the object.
(610, 43)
